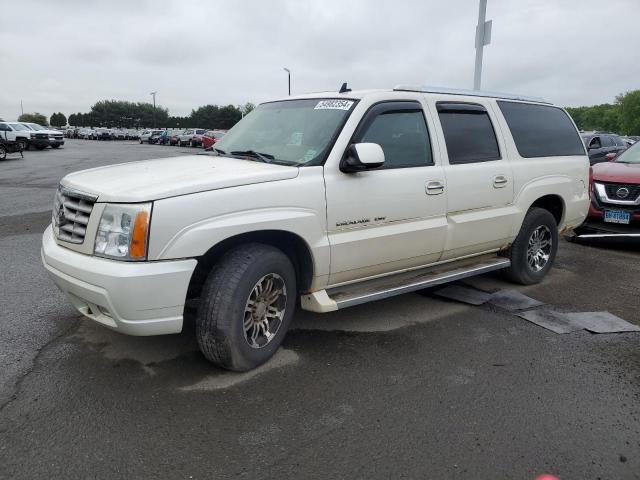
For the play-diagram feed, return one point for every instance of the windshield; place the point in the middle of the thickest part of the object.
(35, 126)
(19, 127)
(630, 155)
(291, 131)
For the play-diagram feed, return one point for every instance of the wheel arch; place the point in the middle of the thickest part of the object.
(291, 244)
(554, 204)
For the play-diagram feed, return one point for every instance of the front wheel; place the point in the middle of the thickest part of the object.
(246, 307)
(22, 143)
(534, 249)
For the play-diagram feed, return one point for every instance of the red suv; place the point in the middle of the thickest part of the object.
(615, 198)
(211, 137)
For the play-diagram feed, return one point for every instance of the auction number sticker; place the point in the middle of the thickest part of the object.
(334, 105)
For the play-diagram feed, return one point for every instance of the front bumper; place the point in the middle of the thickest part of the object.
(39, 142)
(595, 229)
(136, 298)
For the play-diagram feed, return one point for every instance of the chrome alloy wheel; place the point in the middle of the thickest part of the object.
(539, 248)
(264, 311)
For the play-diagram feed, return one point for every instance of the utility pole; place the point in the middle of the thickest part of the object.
(289, 75)
(483, 37)
(153, 94)
(21, 109)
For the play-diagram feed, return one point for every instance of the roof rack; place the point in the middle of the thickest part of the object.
(471, 93)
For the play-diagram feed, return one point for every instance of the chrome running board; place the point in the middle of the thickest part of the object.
(609, 235)
(380, 288)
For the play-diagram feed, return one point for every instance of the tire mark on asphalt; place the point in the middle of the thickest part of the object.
(25, 223)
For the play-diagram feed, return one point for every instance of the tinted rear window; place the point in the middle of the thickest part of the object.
(541, 130)
(468, 133)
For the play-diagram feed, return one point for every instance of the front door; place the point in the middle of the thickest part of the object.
(393, 217)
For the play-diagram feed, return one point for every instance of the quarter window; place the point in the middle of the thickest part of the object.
(403, 136)
(541, 130)
(468, 133)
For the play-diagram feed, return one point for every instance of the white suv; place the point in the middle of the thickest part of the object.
(192, 137)
(330, 200)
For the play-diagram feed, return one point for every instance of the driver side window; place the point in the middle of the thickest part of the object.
(595, 143)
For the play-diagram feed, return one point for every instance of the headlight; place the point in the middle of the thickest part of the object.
(123, 232)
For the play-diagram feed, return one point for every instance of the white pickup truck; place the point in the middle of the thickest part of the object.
(23, 135)
(324, 201)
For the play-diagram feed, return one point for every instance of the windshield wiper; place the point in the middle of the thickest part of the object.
(265, 157)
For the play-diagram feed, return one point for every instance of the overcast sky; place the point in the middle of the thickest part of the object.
(65, 55)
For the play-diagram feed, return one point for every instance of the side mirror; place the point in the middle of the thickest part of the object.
(362, 156)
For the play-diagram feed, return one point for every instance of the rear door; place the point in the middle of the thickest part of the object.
(479, 179)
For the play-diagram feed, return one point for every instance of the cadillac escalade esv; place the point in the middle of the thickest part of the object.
(324, 201)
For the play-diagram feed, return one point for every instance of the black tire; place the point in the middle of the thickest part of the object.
(55, 146)
(3, 152)
(521, 271)
(221, 316)
(24, 145)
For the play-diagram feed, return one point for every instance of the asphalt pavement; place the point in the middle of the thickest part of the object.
(410, 387)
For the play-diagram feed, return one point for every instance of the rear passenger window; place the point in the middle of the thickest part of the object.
(403, 137)
(541, 130)
(468, 133)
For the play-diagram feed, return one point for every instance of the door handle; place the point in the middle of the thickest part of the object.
(500, 181)
(434, 188)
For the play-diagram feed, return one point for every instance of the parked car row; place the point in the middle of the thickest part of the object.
(103, 133)
(192, 137)
(31, 135)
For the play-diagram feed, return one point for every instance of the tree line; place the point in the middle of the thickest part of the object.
(117, 113)
(622, 117)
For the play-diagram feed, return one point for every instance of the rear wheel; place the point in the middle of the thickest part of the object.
(3, 152)
(534, 249)
(246, 307)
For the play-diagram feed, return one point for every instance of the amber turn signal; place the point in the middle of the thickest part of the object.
(138, 246)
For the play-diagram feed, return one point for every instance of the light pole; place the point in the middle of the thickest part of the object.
(483, 37)
(153, 94)
(289, 76)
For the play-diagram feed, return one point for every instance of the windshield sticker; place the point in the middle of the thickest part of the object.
(310, 154)
(295, 140)
(334, 105)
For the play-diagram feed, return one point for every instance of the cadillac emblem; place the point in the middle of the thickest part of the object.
(60, 218)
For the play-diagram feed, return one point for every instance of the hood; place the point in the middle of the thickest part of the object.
(169, 177)
(616, 172)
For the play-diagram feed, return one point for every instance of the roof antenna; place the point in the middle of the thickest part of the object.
(344, 88)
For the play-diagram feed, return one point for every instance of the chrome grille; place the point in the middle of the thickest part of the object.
(71, 213)
(630, 191)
